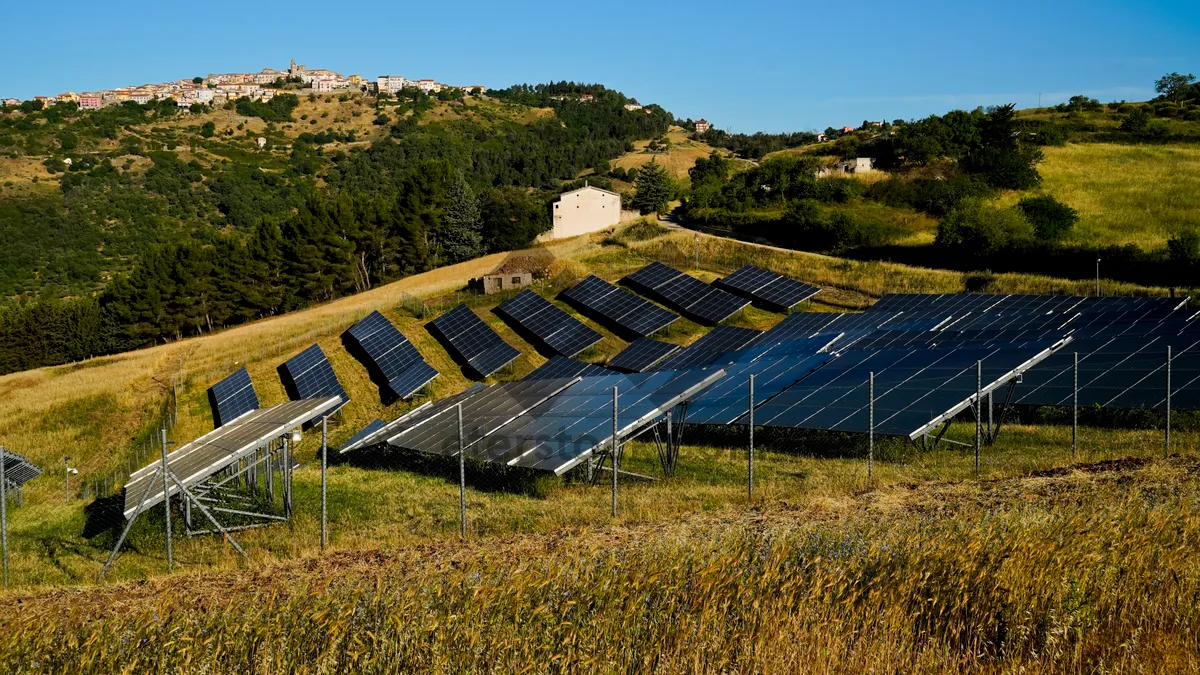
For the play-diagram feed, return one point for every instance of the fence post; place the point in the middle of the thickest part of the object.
(462, 476)
(1167, 439)
(66, 479)
(324, 482)
(613, 448)
(978, 412)
(750, 454)
(167, 503)
(4, 513)
(1075, 410)
(697, 250)
(870, 427)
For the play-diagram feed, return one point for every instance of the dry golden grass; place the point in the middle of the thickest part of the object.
(681, 156)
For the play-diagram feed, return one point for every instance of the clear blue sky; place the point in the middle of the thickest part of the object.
(745, 66)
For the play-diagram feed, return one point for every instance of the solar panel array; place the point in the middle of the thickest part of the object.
(617, 307)
(18, 470)
(232, 397)
(309, 375)
(686, 293)
(561, 366)
(768, 288)
(198, 460)
(642, 355)
(472, 342)
(392, 356)
(559, 331)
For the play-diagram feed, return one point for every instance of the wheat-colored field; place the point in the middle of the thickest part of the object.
(1125, 194)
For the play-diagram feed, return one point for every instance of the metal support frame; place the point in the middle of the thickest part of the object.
(324, 482)
(1005, 410)
(614, 451)
(750, 450)
(871, 427)
(1075, 409)
(978, 416)
(1167, 426)
(462, 474)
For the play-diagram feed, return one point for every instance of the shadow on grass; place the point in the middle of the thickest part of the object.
(480, 476)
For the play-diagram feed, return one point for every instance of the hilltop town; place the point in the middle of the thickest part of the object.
(218, 88)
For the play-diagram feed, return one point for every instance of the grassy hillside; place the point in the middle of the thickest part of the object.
(97, 411)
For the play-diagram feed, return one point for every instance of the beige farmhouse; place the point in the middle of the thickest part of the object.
(588, 209)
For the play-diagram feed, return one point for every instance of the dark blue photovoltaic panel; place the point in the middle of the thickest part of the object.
(561, 367)
(366, 431)
(769, 288)
(558, 434)
(617, 307)
(726, 338)
(472, 342)
(686, 293)
(232, 397)
(393, 356)
(309, 375)
(536, 316)
(644, 354)
(17, 470)
(914, 389)
(728, 401)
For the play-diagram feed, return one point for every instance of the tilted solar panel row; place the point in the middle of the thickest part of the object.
(309, 375)
(768, 288)
(536, 316)
(232, 397)
(617, 307)
(394, 358)
(472, 342)
(642, 355)
(18, 470)
(562, 367)
(685, 293)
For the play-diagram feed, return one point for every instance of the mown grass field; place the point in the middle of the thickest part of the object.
(844, 558)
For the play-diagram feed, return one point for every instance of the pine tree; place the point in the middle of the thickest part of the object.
(654, 188)
(462, 224)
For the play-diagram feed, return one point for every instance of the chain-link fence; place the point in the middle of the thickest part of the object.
(286, 498)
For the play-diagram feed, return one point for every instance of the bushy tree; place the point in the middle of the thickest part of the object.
(977, 229)
(1136, 121)
(655, 188)
(1051, 219)
(1174, 86)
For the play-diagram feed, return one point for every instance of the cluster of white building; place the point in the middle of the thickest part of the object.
(218, 88)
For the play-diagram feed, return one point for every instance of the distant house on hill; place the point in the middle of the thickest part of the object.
(848, 130)
(850, 166)
(702, 126)
(516, 271)
(588, 209)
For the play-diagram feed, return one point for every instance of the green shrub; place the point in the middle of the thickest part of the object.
(981, 230)
(1051, 219)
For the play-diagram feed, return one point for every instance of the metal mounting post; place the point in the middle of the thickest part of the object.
(1167, 439)
(324, 483)
(750, 453)
(128, 524)
(978, 411)
(167, 504)
(1075, 409)
(4, 514)
(462, 475)
(870, 427)
(613, 453)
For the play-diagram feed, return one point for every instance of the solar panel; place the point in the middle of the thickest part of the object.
(472, 342)
(390, 356)
(357, 440)
(915, 390)
(618, 308)
(562, 432)
(415, 417)
(557, 330)
(198, 460)
(644, 354)
(685, 293)
(309, 375)
(766, 287)
(18, 470)
(483, 412)
(728, 400)
(561, 366)
(232, 397)
(726, 338)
